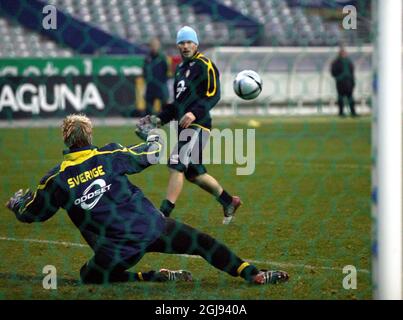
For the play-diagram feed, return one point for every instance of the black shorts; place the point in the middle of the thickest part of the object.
(187, 156)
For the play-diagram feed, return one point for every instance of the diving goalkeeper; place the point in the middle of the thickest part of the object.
(115, 218)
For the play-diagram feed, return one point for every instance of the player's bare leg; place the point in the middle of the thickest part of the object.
(175, 185)
(211, 185)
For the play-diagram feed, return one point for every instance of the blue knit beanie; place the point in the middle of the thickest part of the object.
(187, 34)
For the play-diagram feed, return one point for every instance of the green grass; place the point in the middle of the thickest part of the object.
(306, 209)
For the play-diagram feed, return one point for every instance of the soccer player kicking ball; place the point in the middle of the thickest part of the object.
(196, 92)
(115, 218)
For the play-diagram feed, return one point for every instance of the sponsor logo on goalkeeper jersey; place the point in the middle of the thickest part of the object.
(92, 194)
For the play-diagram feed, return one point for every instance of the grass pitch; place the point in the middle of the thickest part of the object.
(306, 210)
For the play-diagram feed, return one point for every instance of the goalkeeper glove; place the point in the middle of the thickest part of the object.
(145, 125)
(18, 200)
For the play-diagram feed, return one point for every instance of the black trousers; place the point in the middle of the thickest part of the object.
(177, 238)
(152, 102)
(345, 90)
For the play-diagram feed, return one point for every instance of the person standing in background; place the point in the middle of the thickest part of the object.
(155, 71)
(342, 70)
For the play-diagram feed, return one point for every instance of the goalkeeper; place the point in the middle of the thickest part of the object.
(115, 218)
(196, 91)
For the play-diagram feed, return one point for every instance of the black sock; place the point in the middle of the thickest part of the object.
(225, 199)
(149, 276)
(127, 276)
(249, 272)
(167, 207)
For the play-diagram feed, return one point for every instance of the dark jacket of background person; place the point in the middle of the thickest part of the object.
(343, 71)
(155, 73)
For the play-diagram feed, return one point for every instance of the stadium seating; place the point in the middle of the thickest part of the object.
(20, 42)
(139, 20)
(287, 26)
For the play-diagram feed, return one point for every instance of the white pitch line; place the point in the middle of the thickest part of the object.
(291, 265)
(274, 263)
(270, 163)
(62, 243)
(318, 165)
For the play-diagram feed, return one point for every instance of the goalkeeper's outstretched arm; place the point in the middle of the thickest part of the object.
(40, 205)
(141, 156)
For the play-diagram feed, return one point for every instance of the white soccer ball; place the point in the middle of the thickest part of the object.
(247, 85)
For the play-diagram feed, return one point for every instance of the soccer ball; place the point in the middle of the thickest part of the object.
(247, 85)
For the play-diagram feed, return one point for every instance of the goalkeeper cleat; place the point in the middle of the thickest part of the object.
(229, 211)
(270, 277)
(176, 275)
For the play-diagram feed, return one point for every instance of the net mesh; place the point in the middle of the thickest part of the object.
(306, 206)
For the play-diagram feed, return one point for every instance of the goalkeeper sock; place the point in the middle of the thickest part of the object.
(225, 199)
(167, 207)
(147, 276)
(247, 271)
(158, 276)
